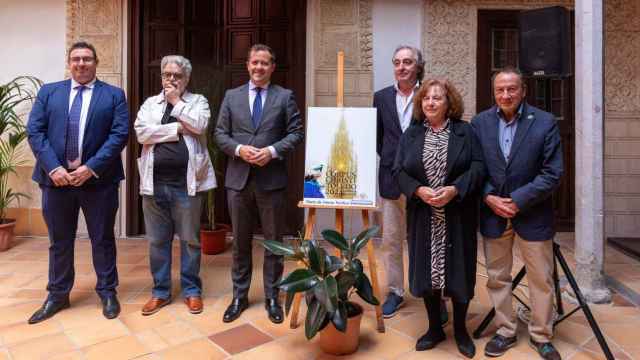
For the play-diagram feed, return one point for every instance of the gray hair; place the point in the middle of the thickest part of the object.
(179, 60)
(417, 56)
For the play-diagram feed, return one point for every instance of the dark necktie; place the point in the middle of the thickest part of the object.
(73, 126)
(166, 117)
(257, 108)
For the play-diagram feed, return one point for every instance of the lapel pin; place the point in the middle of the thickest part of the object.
(530, 117)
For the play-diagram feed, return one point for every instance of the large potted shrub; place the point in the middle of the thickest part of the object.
(18, 92)
(328, 281)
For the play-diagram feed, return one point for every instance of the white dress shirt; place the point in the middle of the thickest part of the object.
(263, 97)
(404, 104)
(86, 100)
(84, 111)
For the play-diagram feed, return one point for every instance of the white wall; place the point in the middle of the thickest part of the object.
(394, 23)
(33, 39)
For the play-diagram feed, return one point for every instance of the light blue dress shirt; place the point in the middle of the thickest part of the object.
(507, 132)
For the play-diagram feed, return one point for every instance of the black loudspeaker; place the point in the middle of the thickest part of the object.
(545, 42)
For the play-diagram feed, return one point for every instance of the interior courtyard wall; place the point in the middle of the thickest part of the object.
(622, 118)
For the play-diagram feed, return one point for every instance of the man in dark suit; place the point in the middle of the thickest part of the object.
(258, 125)
(394, 106)
(523, 156)
(77, 130)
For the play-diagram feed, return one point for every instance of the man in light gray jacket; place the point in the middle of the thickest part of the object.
(175, 170)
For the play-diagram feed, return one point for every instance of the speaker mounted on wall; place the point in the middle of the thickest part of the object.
(545, 42)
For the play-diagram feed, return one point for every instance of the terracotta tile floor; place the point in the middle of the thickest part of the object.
(82, 333)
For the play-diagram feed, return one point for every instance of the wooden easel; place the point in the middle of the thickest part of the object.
(311, 221)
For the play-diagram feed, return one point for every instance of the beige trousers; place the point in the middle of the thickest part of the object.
(394, 235)
(538, 260)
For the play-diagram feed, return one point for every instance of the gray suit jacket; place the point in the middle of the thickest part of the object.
(280, 127)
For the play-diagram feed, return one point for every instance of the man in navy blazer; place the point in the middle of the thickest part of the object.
(394, 105)
(77, 130)
(523, 156)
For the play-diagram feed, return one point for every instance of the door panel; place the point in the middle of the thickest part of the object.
(215, 36)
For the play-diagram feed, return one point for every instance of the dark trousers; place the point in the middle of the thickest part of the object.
(60, 208)
(245, 206)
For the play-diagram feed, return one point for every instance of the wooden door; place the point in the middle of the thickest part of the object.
(497, 48)
(215, 36)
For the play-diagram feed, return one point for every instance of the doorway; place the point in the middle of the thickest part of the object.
(215, 37)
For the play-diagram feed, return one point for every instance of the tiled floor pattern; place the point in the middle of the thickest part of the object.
(82, 333)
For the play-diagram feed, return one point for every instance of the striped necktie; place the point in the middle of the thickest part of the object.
(73, 126)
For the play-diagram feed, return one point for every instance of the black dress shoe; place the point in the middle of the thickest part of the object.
(48, 309)
(274, 310)
(430, 340)
(465, 345)
(110, 307)
(237, 306)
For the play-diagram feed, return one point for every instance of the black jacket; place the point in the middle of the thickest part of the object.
(465, 171)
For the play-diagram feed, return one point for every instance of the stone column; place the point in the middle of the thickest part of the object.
(589, 225)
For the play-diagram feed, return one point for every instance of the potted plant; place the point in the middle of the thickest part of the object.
(213, 237)
(328, 282)
(210, 81)
(17, 92)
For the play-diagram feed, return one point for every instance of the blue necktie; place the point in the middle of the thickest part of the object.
(73, 126)
(257, 108)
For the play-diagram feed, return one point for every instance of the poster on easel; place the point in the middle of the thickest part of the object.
(340, 159)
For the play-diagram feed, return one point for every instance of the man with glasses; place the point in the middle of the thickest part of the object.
(523, 156)
(175, 171)
(77, 129)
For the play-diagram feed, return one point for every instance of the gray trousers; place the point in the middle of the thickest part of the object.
(245, 206)
(394, 235)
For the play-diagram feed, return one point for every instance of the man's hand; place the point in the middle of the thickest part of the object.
(248, 152)
(425, 193)
(262, 157)
(171, 94)
(442, 196)
(503, 207)
(61, 177)
(80, 175)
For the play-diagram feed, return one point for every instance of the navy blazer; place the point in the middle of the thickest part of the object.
(529, 178)
(105, 134)
(388, 138)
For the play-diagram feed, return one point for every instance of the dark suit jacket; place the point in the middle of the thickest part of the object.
(465, 171)
(388, 136)
(105, 134)
(533, 172)
(280, 127)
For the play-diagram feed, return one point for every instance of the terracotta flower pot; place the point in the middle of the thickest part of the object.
(335, 342)
(214, 241)
(6, 234)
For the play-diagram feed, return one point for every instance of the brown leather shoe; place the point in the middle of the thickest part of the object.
(194, 303)
(154, 305)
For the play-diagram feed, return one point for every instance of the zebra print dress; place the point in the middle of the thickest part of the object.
(434, 158)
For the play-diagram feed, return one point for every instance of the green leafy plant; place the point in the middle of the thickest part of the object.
(214, 153)
(14, 94)
(327, 281)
